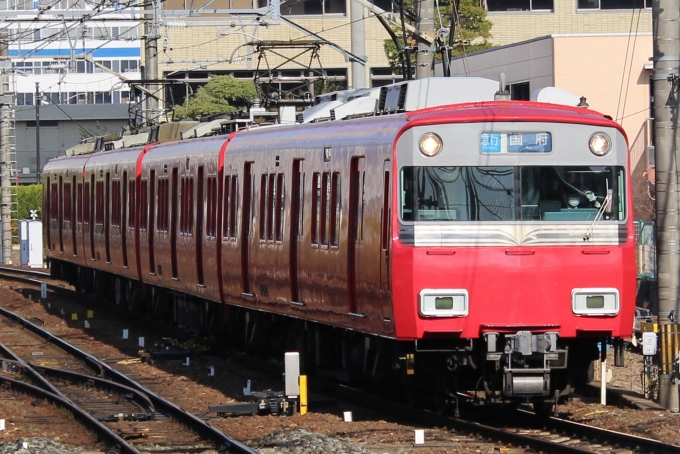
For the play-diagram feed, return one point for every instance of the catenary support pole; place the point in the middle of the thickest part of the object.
(666, 78)
(424, 63)
(358, 41)
(5, 148)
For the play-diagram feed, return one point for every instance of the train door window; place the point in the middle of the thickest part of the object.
(99, 206)
(335, 209)
(279, 208)
(226, 187)
(53, 196)
(152, 220)
(187, 207)
(115, 203)
(325, 208)
(263, 206)
(143, 204)
(74, 213)
(79, 203)
(91, 214)
(211, 224)
(123, 215)
(200, 219)
(132, 207)
(173, 223)
(163, 206)
(107, 216)
(60, 214)
(67, 205)
(385, 215)
(229, 202)
(271, 201)
(316, 206)
(233, 200)
(86, 202)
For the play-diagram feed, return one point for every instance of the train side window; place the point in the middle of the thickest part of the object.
(115, 203)
(226, 188)
(325, 207)
(163, 206)
(316, 206)
(263, 207)
(335, 209)
(132, 208)
(279, 208)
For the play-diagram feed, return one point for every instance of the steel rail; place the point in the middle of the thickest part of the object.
(81, 415)
(193, 422)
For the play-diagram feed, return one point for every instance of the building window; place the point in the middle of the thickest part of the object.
(314, 7)
(614, 4)
(519, 5)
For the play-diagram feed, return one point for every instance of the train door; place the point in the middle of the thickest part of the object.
(107, 217)
(151, 218)
(74, 207)
(245, 226)
(123, 217)
(60, 215)
(90, 213)
(385, 241)
(296, 219)
(355, 237)
(200, 203)
(173, 223)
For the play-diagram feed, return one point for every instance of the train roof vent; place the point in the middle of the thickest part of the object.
(319, 111)
(555, 95)
(394, 97)
(342, 96)
(81, 148)
(131, 141)
(439, 91)
(209, 128)
(357, 106)
(299, 118)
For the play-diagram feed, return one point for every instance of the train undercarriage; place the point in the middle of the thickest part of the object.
(430, 373)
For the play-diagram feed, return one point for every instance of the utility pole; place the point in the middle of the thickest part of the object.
(5, 148)
(358, 42)
(424, 63)
(666, 79)
(151, 61)
(37, 133)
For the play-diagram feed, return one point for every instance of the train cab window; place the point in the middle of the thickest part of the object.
(537, 193)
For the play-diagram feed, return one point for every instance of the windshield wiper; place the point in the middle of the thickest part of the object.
(606, 206)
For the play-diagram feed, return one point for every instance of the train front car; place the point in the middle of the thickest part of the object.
(513, 253)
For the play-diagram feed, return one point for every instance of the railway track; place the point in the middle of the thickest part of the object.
(130, 417)
(552, 435)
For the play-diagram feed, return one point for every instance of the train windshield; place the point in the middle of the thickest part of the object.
(531, 193)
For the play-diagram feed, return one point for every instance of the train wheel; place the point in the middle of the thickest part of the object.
(543, 409)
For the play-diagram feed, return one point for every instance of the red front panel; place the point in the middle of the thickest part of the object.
(509, 292)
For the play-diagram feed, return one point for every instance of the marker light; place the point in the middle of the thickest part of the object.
(430, 144)
(600, 143)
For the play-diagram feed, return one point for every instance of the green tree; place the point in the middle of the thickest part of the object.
(472, 32)
(29, 198)
(222, 94)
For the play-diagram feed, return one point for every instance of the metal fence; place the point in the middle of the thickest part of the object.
(645, 249)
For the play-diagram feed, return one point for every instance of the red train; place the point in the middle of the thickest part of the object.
(424, 232)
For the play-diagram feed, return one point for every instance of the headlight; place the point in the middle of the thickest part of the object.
(444, 303)
(600, 144)
(595, 301)
(430, 144)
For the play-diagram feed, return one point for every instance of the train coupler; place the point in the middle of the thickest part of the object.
(526, 382)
